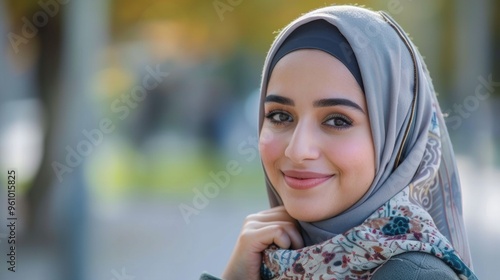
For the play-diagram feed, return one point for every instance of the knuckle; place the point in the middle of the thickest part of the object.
(247, 235)
(251, 224)
(251, 218)
(279, 230)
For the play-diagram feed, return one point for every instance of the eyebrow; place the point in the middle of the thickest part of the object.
(326, 102)
(279, 99)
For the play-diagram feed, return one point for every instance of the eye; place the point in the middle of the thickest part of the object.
(279, 117)
(338, 121)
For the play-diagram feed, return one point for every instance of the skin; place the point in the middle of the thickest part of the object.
(316, 121)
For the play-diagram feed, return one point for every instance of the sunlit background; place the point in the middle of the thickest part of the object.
(132, 127)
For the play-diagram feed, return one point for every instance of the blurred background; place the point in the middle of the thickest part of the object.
(132, 127)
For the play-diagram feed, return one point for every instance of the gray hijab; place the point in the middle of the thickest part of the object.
(399, 95)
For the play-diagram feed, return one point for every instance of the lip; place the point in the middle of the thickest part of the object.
(303, 180)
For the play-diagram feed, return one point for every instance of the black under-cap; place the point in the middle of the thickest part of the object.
(320, 35)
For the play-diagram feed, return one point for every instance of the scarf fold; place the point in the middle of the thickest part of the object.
(414, 203)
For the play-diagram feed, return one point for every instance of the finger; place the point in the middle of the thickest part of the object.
(259, 239)
(286, 236)
(274, 209)
(283, 234)
(256, 225)
(295, 238)
(273, 214)
(296, 241)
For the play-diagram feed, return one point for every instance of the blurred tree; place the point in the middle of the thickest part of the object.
(68, 40)
(49, 39)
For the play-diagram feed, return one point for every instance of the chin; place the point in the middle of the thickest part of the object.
(309, 216)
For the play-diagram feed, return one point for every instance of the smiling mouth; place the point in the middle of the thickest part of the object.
(305, 180)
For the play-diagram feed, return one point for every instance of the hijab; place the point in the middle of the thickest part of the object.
(415, 167)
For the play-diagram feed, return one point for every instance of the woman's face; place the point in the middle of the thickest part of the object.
(316, 143)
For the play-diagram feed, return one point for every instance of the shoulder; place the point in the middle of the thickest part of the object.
(414, 266)
(206, 276)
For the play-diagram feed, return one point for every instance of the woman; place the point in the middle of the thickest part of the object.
(359, 167)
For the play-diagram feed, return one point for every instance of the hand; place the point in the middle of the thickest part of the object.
(259, 231)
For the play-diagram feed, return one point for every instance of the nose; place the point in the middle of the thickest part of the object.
(303, 144)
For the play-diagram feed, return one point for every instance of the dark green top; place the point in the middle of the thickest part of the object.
(407, 266)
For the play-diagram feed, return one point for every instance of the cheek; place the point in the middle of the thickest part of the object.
(358, 157)
(271, 147)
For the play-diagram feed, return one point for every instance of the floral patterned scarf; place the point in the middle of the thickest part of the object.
(397, 227)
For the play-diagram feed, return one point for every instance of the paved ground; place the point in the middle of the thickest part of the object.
(148, 239)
